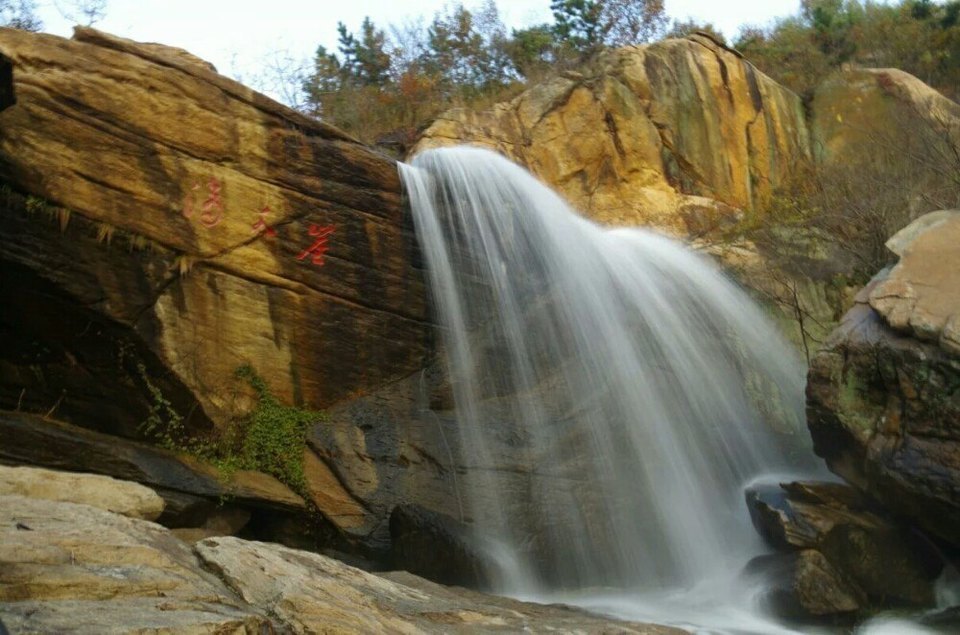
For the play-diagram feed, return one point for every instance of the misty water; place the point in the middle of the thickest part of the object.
(615, 391)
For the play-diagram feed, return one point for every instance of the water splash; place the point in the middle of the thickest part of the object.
(614, 390)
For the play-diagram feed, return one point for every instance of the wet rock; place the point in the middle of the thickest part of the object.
(798, 515)
(402, 445)
(103, 492)
(821, 589)
(883, 405)
(849, 555)
(887, 564)
(436, 547)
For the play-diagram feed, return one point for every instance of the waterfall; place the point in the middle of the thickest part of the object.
(614, 390)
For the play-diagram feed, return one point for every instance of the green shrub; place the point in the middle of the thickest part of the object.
(273, 437)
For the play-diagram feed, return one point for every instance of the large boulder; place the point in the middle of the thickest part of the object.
(679, 134)
(70, 568)
(312, 593)
(164, 226)
(885, 109)
(883, 396)
(122, 497)
(73, 568)
(846, 555)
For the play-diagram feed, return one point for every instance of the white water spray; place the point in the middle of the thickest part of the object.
(614, 390)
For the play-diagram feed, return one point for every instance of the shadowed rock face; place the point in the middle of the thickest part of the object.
(157, 214)
(883, 397)
(843, 553)
(678, 134)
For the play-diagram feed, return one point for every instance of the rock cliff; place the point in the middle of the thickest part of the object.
(164, 225)
(688, 137)
(679, 134)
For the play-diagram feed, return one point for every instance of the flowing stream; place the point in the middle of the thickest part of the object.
(614, 392)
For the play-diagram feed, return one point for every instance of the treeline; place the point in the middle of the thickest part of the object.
(921, 37)
(388, 82)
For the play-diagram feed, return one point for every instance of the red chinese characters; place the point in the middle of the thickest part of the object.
(261, 225)
(319, 246)
(211, 208)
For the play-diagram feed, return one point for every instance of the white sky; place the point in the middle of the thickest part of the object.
(238, 36)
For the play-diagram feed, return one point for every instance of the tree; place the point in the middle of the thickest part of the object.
(86, 12)
(586, 26)
(832, 22)
(467, 50)
(365, 60)
(532, 51)
(578, 24)
(20, 14)
(920, 37)
(690, 26)
(632, 21)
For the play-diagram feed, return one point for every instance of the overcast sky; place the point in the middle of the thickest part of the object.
(238, 36)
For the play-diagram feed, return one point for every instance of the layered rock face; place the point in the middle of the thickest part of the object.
(78, 568)
(883, 397)
(679, 134)
(164, 225)
(195, 497)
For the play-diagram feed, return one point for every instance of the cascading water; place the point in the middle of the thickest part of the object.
(614, 391)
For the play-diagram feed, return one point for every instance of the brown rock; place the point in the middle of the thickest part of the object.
(860, 108)
(821, 589)
(103, 492)
(881, 562)
(882, 404)
(75, 568)
(223, 521)
(329, 495)
(136, 178)
(680, 134)
(798, 515)
(195, 494)
(313, 593)
(921, 295)
(884, 563)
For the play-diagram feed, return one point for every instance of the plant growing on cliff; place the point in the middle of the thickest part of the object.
(273, 436)
(163, 422)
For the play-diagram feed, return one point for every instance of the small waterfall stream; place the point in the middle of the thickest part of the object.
(614, 390)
